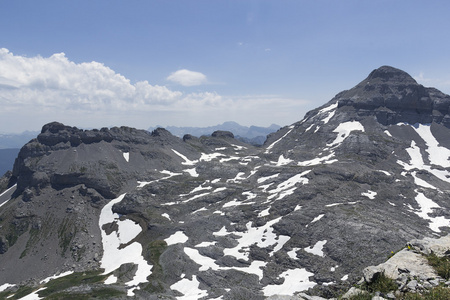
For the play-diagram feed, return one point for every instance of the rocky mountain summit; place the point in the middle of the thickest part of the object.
(128, 213)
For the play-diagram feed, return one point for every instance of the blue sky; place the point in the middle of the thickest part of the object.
(200, 63)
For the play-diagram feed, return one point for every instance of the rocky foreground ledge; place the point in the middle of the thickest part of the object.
(409, 269)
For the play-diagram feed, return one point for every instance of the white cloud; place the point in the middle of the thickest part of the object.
(60, 83)
(38, 90)
(187, 78)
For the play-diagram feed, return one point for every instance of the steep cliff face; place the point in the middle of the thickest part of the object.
(213, 217)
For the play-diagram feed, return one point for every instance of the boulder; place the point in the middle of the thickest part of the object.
(404, 261)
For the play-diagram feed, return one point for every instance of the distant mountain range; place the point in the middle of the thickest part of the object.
(253, 135)
(11, 140)
(10, 145)
(7, 157)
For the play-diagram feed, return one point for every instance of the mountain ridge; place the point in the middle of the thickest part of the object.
(255, 135)
(214, 217)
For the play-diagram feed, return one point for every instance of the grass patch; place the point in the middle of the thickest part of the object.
(22, 292)
(440, 264)
(66, 232)
(361, 296)
(154, 251)
(438, 293)
(103, 293)
(74, 279)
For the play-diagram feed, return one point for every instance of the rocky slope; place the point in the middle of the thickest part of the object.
(215, 218)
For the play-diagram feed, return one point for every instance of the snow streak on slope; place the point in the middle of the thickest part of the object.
(274, 143)
(437, 156)
(329, 111)
(319, 160)
(426, 207)
(288, 187)
(3, 203)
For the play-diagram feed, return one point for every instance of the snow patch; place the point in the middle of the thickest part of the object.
(283, 161)
(369, 194)
(293, 253)
(261, 236)
(317, 249)
(264, 213)
(249, 195)
(344, 130)
(189, 288)
(207, 263)
(187, 161)
(295, 280)
(126, 155)
(176, 238)
(421, 182)
(262, 179)
(319, 160)
(205, 244)
(385, 172)
(111, 279)
(33, 296)
(316, 219)
(210, 157)
(192, 172)
(5, 286)
(289, 185)
(113, 257)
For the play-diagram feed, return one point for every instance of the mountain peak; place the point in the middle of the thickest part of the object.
(391, 96)
(388, 73)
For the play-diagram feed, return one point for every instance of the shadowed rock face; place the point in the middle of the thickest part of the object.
(393, 96)
(320, 201)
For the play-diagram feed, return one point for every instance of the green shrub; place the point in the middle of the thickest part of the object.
(382, 283)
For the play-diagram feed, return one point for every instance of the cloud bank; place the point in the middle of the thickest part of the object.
(37, 90)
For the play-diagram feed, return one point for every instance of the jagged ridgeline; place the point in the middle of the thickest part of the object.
(122, 212)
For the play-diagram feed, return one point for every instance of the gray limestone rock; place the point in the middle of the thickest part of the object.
(319, 202)
(352, 292)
